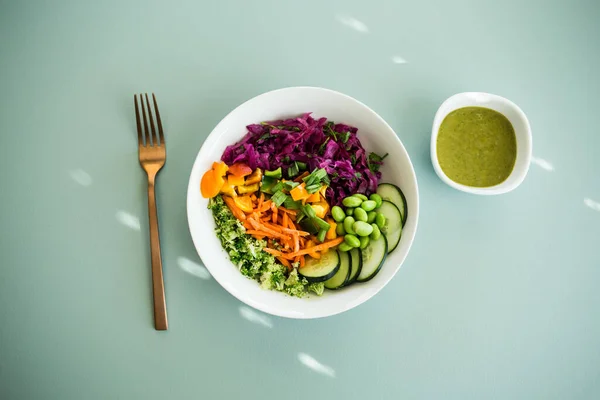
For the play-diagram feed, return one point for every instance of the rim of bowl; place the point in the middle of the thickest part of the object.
(192, 186)
(502, 187)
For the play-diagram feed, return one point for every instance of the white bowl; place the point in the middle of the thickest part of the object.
(522, 132)
(375, 134)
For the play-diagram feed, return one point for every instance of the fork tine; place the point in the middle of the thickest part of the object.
(137, 120)
(154, 138)
(146, 132)
(160, 130)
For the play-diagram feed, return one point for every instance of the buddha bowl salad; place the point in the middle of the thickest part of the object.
(299, 208)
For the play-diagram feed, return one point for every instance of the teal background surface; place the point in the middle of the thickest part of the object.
(498, 298)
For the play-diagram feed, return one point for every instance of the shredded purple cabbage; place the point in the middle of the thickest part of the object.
(318, 143)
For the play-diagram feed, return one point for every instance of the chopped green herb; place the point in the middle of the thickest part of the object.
(373, 161)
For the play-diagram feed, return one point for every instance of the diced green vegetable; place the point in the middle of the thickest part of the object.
(267, 184)
(278, 198)
(290, 204)
(293, 170)
(274, 174)
(323, 225)
(321, 235)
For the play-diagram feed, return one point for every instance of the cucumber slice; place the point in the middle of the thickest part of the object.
(393, 224)
(343, 273)
(392, 193)
(321, 269)
(356, 265)
(373, 257)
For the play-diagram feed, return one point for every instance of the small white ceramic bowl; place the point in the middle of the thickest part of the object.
(375, 134)
(522, 132)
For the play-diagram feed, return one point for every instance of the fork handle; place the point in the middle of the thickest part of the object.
(158, 286)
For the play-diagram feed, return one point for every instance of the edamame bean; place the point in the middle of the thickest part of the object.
(352, 241)
(371, 216)
(344, 247)
(349, 211)
(339, 229)
(377, 199)
(348, 223)
(364, 242)
(351, 201)
(380, 220)
(368, 205)
(362, 228)
(361, 196)
(360, 214)
(376, 232)
(337, 213)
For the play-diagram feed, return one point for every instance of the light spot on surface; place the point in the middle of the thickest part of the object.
(193, 268)
(315, 365)
(543, 164)
(398, 60)
(255, 317)
(594, 205)
(353, 23)
(81, 177)
(129, 220)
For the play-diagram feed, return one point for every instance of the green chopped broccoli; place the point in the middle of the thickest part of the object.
(245, 252)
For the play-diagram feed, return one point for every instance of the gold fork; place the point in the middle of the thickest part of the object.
(153, 153)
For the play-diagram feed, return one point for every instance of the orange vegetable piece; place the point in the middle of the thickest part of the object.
(239, 214)
(299, 193)
(211, 184)
(236, 180)
(228, 188)
(220, 168)
(314, 198)
(240, 169)
(244, 203)
(331, 232)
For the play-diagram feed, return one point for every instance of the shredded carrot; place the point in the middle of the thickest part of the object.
(287, 211)
(259, 233)
(285, 262)
(301, 261)
(320, 247)
(284, 220)
(260, 200)
(239, 214)
(296, 242)
(274, 209)
(261, 227)
(253, 197)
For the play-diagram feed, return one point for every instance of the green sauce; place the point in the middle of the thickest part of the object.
(476, 146)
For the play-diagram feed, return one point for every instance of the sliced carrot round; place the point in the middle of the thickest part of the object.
(240, 169)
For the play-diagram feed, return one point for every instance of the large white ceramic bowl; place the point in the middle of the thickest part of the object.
(375, 134)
